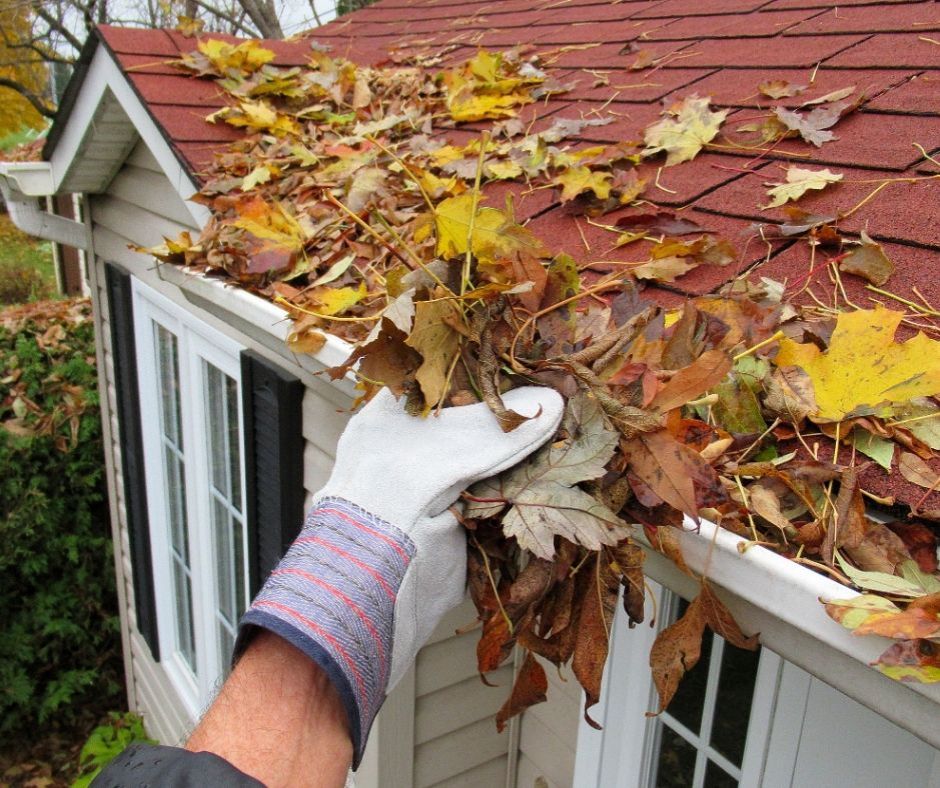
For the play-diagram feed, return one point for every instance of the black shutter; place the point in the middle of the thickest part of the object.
(272, 401)
(124, 353)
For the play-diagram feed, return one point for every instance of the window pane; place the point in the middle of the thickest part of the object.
(226, 647)
(185, 636)
(171, 428)
(687, 704)
(225, 494)
(676, 766)
(716, 777)
(733, 707)
(168, 362)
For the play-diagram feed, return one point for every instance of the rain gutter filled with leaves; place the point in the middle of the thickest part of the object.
(343, 206)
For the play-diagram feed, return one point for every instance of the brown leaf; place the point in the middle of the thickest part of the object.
(628, 562)
(529, 688)
(594, 624)
(665, 539)
(692, 381)
(495, 644)
(676, 651)
(920, 542)
(849, 524)
(879, 551)
(918, 472)
(386, 359)
(868, 261)
(659, 223)
(721, 622)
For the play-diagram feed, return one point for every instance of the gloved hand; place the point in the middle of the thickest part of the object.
(381, 558)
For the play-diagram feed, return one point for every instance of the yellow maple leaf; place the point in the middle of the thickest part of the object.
(258, 116)
(863, 366)
(690, 126)
(248, 56)
(334, 300)
(495, 235)
(576, 180)
(437, 343)
(798, 182)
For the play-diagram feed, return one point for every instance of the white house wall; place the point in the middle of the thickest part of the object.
(438, 728)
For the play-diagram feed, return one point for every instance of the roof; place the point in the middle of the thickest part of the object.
(628, 60)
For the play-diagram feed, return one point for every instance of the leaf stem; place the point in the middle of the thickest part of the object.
(778, 336)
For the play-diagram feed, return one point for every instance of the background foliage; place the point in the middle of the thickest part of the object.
(59, 644)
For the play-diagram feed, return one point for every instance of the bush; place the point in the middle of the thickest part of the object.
(26, 267)
(59, 643)
(107, 742)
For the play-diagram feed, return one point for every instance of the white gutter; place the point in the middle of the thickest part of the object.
(778, 598)
(24, 186)
(767, 593)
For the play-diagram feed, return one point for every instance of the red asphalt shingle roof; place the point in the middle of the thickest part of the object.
(724, 49)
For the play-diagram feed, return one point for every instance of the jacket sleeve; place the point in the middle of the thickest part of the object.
(170, 767)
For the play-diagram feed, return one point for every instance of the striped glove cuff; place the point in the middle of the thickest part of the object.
(333, 597)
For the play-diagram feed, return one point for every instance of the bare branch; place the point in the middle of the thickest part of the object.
(56, 25)
(238, 25)
(41, 107)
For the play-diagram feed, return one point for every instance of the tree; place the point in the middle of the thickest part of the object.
(44, 37)
(22, 78)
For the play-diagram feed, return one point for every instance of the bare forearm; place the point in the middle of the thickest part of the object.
(279, 719)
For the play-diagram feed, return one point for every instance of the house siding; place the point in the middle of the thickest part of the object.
(437, 728)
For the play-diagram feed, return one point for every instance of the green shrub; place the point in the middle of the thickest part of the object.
(107, 742)
(26, 267)
(59, 644)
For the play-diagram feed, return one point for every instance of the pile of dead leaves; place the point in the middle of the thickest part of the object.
(344, 203)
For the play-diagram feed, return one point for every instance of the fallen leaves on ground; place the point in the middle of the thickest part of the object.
(798, 182)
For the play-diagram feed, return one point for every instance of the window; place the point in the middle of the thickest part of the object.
(192, 428)
(715, 732)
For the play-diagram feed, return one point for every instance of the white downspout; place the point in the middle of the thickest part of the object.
(23, 185)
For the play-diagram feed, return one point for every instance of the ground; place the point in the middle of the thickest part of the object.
(26, 268)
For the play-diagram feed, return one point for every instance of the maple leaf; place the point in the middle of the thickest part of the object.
(576, 180)
(666, 269)
(257, 116)
(542, 493)
(225, 58)
(438, 345)
(863, 366)
(780, 88)
(813, 126)
(692, 126)
(275, 237)
(798, 182)
(335, 300)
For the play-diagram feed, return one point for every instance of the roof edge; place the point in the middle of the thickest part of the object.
(72, 90)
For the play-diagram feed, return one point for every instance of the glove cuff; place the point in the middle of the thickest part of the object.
(333, 597)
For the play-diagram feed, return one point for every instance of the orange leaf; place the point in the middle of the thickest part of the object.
(530, 687)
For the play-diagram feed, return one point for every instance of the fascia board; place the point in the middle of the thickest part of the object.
(259, 319)
(104, 74)
(778, 598)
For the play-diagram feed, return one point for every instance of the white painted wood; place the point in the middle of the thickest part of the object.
(843, 743)
(323, 422)
(165, 718)
(454, 753)
(121, 216)
(143, 158)
(486, 775)
(453, 707)
(151, 191)
(446, 662)
(317, 467)
(106, 96)
(552, 755)
(530, 776)
(388, 760)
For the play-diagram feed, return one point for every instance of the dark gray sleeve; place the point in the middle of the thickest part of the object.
(149, 766)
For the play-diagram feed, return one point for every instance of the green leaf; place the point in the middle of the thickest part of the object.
(881, 450)
(911, 571)
(880, 581)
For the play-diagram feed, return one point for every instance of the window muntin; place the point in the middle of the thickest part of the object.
(700, 740)
(189, 377)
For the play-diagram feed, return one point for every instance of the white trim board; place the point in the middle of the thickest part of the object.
(105, 78)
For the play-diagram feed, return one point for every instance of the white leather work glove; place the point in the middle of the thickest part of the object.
(381, 558)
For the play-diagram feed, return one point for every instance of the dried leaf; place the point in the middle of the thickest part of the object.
(881, 450)
(911, 660)
(576, 180)
(692, 125)
(780, 88)
(529, 688)
(706, 371)
(659, 223)
(676, 651)
(668, 269)
(721, 622)
(438, 345)
(918, 472)
(798, 182)
(869, 261)
(594, 626)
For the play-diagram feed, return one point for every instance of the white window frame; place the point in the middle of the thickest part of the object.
(616, 757)
(197, 342)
